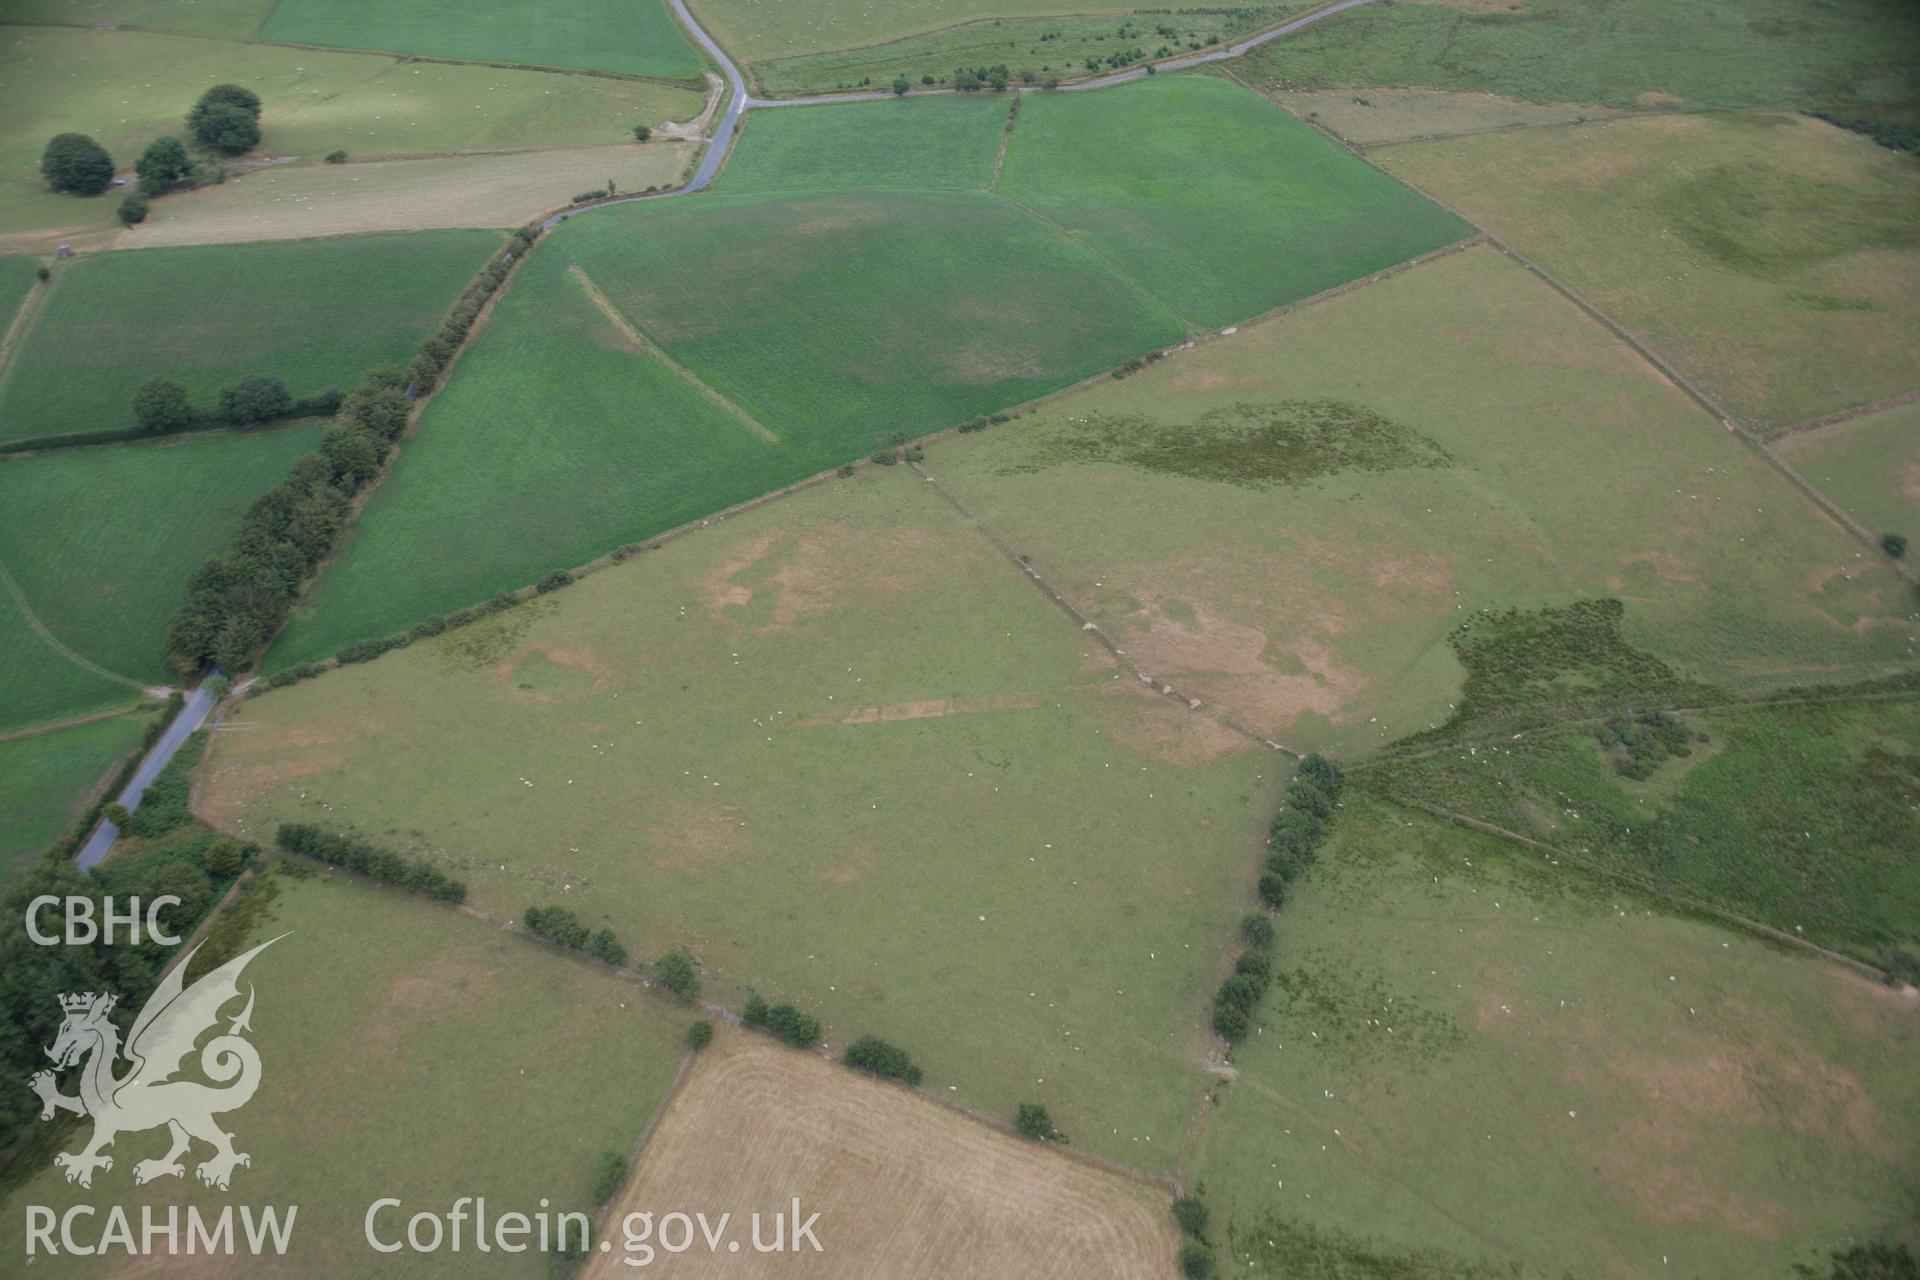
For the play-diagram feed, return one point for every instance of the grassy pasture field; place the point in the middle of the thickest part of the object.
(295, 201)
(1288, 523)
(1773, 258)
(1800, 817)
(39, 684)
(232, 19)
(1059, 46)
(406, 1051)
(1870, 466)
(1475, 1064)
(101, 541)
(917, 144)
(828, 321)
(48, 779)
(316, 314)
(126, 88)
(1211, 197)
(17, 278)
(753, 32)
(905, 1188)
(1621, 53)
(1401, 115)
(838, 750)
(638, 37)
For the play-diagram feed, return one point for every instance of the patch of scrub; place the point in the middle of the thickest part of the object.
(1258, 445)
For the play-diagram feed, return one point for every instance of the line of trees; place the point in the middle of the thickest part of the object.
(559, 925)
(871, 1053)
(369, 860)
(239, 597)
(1293, 840)
(796, 1028)
(162, 405)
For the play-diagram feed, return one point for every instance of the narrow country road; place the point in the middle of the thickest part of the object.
(191, 717)
(739, 101)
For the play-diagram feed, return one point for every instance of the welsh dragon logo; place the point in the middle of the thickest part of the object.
(169, 1026)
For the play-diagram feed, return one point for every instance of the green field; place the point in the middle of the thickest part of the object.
(1774, 53)
(918, 144)
(838, 750)
(752, 31)
(1290, 522)
(406, 1051)
(1064, 47)
(1803, 818)
(1476, 1065)
(1773, 258)
(1210, 197)
(47, 780)
(233, 19)
(317, 314)
(831, 321)
(16, 282)
(102, 541)
(126, 88)
(1870, 466)
(639, 37)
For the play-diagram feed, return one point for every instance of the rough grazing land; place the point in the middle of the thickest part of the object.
(233, 19)
(1472, 1060)
(315, 314)
(1289, 526)
(1399, 115)
(1774, 259)
(1870, 466)
(404, 195)
(425, 1021)
(1776, 53)
(126, 88)
(102, 541)
(1803, 818)
(640, 37)
(905, 1187)
(1211, 197)
(47, 780)
(841, 752)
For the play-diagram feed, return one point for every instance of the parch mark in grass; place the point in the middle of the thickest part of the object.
(1258, 446)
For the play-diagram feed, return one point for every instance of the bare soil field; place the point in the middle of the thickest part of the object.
(296, 202)
(904, 1187)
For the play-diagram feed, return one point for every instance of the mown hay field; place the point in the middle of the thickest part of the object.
(126, 88)
(904, 1187)
(839, 750)
(638, 37)
(300, 201)
(1775, 259)
(102, 541)
(1870, 466)
(1210, 197)
(316, 314)
(1474, 1062)
(1291, 522)
(407, 1051)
